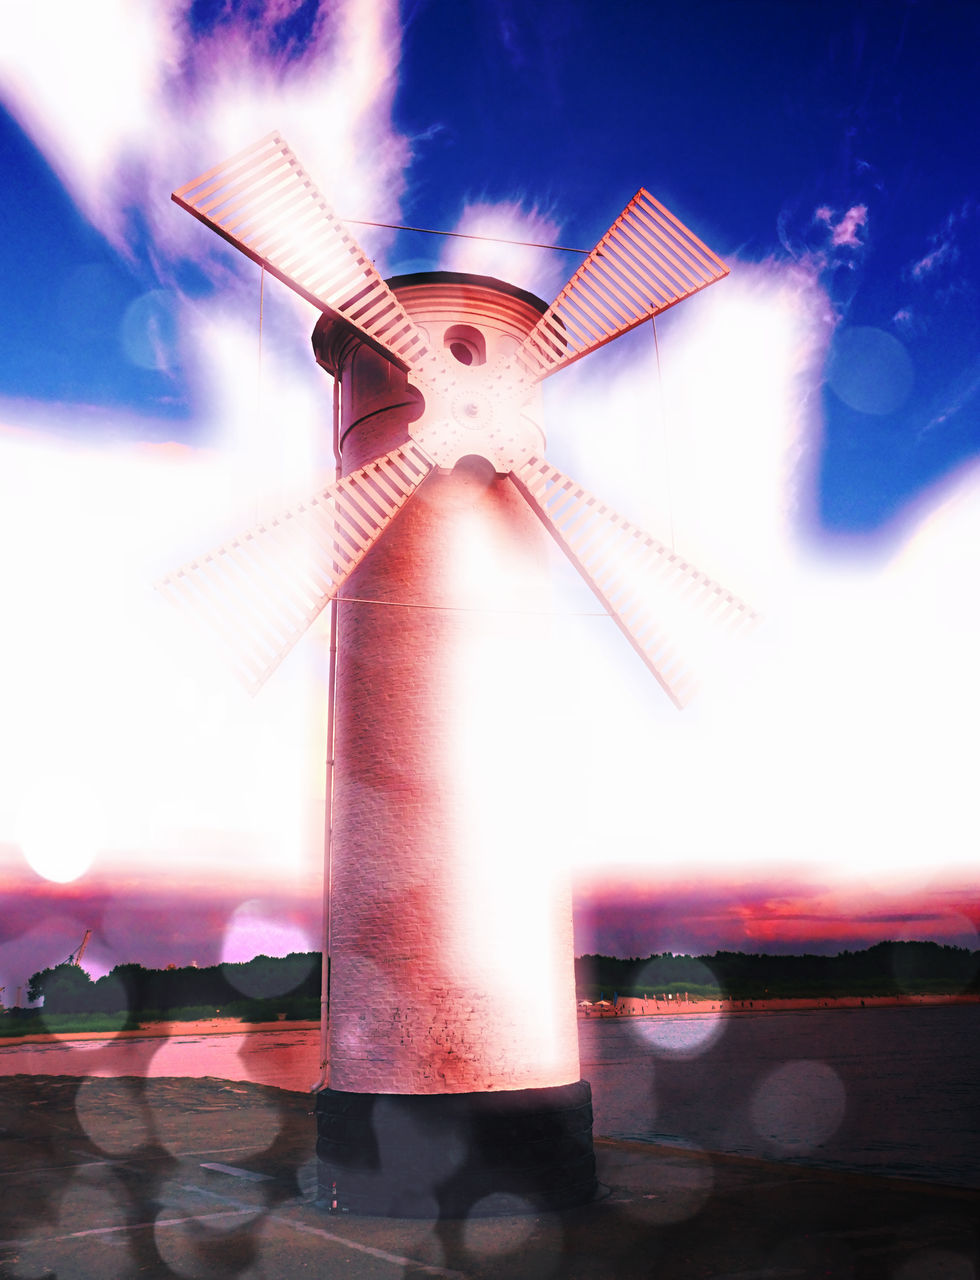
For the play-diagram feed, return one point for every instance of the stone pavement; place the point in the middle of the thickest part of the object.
(128, 1177)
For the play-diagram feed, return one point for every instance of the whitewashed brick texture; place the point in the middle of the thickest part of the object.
(452, 957)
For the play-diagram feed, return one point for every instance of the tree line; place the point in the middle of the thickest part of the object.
(292, 983)
(887, 968)
(67, 988)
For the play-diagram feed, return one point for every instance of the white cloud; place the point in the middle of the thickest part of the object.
(127, 105)
(107, 694)
(494, 253)
(843, 741)
(839, 739)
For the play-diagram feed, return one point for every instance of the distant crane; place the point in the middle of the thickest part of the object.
(76, 957)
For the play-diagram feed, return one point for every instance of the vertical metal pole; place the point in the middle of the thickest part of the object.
(328, 796)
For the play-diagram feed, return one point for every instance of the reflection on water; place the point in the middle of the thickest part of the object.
(888, 1090)
(288, 1059)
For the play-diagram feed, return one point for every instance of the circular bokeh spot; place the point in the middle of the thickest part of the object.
(149, 330)
(680, 1036)
(114, 1114)
(870, 370)
(255, 1138)
(93, 1197)
(687, 1034)
(798, 1106)
(675, 1189)
(205, 1247)
(60, 827)
(502, 1223)
(256, 940)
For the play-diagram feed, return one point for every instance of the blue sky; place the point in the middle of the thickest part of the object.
(820, 408)
(746, 118)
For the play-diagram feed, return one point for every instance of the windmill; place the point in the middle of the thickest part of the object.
(447, 1083)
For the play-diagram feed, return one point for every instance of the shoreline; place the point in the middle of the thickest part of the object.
(636, 1006)
(626, 1006)
(160, 1030)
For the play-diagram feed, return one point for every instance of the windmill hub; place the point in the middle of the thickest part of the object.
(474, 412)
(478, 411)
(485, 418)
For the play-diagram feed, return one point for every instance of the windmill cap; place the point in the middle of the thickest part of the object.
(464, 278)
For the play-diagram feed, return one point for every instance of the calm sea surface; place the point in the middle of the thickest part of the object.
(893, 1090)
(887, 1090)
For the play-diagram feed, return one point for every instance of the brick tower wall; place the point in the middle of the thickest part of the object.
(452, 958)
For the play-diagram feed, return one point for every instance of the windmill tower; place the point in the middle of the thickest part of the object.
(451, 1076)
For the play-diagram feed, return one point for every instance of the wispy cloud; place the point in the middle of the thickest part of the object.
(828, 244)
(944, 245)
(844, 229)
(106, 92)
(957, 396)
(945, 252)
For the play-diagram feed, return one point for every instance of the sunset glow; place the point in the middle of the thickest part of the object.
(820, 790)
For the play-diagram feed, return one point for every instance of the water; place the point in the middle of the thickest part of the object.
(288, 1058)
(889, 1090)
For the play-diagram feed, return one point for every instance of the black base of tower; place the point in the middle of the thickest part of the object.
(454, 1155)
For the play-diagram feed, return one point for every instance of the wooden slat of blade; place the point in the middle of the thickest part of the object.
(650, 271)
(688, 244)
(201, 187)
(263, 202)
(661, 603)
(633, 280)
(260, 592)
(240, 653)
(661, 271)
(646, 262)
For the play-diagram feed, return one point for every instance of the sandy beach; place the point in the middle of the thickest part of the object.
(633, 1006)
(625, 1006)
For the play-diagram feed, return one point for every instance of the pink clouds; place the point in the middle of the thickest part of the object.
(844, 232)
(148, 924)
(637, 913)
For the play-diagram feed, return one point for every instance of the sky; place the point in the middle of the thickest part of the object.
(806, 431)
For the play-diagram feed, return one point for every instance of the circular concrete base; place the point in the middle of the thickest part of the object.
(455, 1155)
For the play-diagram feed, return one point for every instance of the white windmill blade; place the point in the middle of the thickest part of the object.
(264, 203)
(664, 605)
(260, 592)
(646, 262)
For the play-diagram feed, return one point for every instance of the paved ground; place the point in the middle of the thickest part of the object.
(129, 1177)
